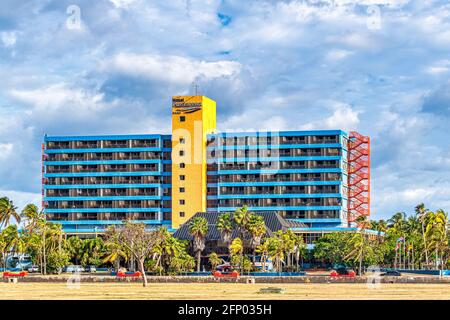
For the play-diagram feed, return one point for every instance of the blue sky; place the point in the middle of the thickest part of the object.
(381, 67)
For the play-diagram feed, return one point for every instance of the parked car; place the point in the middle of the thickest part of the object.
(91, 269)
(33, 268)
(343, 272)
(391, 273)
(259, 265)
(73, 268)
(221, 267)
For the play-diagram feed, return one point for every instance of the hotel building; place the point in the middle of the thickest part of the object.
(319, 179)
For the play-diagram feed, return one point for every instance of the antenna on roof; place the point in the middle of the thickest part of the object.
(196, 88)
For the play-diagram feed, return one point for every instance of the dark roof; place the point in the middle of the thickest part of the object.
(273, 221)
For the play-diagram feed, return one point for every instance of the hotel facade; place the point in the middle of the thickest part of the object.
(320, 179)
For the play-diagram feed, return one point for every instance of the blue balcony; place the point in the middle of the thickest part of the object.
(272, 195)
(107, 186)
(86, 210)
(107, 198)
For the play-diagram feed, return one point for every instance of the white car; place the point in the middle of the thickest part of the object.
(33, 269)
(74, 268)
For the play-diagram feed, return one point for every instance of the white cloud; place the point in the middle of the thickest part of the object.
(9, 39)
(123, 3)
(173, 69)
(21, 199)
(391, 3)
(57, 97)
(338, 54)
(442, 66)
(343, 117)
(5, 150)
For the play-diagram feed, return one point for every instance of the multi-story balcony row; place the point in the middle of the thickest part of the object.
(103, 168)
(283, 202)
(273, 153)
(310, 214)
(96, 204)
(54, 181)
(271, 139)
(251, 165)
(274, 190)
(105, 192)
(73, 216)
(107, 156)
(94, 144)
(282, 177)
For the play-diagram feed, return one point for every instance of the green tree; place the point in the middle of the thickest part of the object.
(7, 211)
(236, 249)
(359, 243)
(214, 260)
(114, 250)
(31, 217)
(9, 238)
(74, 248)
(257, 229)
(225, 227)
(276, 251)
(57, 259)
(422, 212)
(135, 238)
(331, 248)
(436, 232)
(241, 218)
(263, 251)
(198, 229)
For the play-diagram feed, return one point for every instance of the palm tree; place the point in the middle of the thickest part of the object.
(257, 229)
(7, 211)
(299, 248)
(263, 250)
(198, 228)
(422, 213)
(8, 241)
(241, 218)
(436, 231)
(215, 260)
(276, 251)
(236, 249)
(358, 243)
(74, 247)
(114, 252)
(287, 239)
(397, 225)
(32, 216)
(225, 227)
(93, 249)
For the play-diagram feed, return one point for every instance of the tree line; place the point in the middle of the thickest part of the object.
(420, 240)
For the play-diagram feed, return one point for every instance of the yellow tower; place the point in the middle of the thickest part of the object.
(193, 117)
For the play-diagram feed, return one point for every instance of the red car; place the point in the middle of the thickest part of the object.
(225, 272)
(343, 272)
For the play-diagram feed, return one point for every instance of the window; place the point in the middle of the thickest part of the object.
(182, 118)
(182, 214)
(182, 140)
(182, 165)
(182, 177)
(182, 189)
(182, 201)
(181, 153)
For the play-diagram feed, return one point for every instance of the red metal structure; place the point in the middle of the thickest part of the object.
(358, 176)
